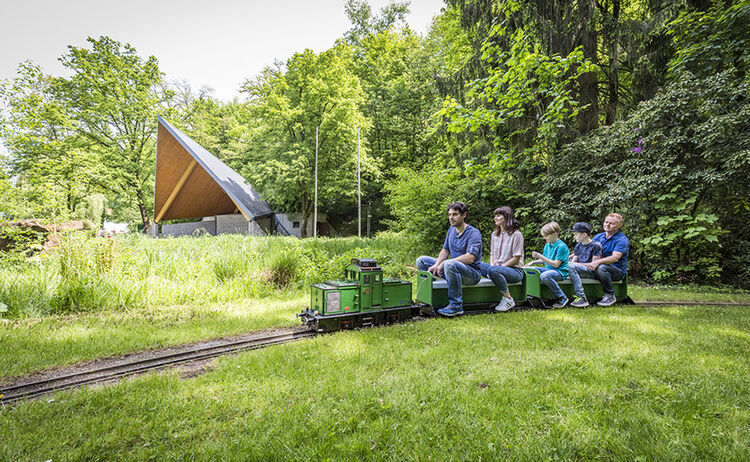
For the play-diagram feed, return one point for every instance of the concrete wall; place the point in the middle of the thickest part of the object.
(187, 229)
(231, 224)
(288, 222)
(236, 224)
(254, 229)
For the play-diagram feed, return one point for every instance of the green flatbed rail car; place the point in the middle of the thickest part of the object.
(433, 292)
(541, 294)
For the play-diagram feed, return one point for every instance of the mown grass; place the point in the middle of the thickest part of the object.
(32, 344)
(688, 293)
(622, 383)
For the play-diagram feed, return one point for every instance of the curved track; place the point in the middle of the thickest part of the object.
(39, 388)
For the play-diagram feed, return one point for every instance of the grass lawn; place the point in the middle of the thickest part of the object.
(31, 344)
(621, 383)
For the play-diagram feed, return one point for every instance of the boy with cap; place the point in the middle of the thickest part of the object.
(585, 251)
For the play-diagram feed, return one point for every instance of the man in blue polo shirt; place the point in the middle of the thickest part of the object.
(459, 259)
(613, 264)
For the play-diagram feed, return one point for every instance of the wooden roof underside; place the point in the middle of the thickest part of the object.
(192, 183)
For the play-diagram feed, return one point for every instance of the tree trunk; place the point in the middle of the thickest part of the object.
(614, 65)
(144, 211)
(588, 118)
(306, 212)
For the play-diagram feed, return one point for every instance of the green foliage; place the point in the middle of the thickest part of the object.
(420, 199)
(314, 91)
(713, 41)
(18, 242)
(677, 170)
(283, 269)
(92, 131)
(523, 83)
(135, 272)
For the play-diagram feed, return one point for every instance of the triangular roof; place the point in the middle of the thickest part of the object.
(192, 183)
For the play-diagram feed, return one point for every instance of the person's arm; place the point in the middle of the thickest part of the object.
(513, 261)
(620, 248)
(595, 262)
(467, 258)
(473, 248)
(437, 268)
(540, 257)
(517, 247)
(574, 258)
(492, 249)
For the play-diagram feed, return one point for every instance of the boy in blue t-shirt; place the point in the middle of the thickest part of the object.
(555, 257)
(585, 251)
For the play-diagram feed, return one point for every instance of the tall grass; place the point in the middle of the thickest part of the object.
(91, 273)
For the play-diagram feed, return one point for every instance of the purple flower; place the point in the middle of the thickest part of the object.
(637, 149)
(640, 141)
(635, 129)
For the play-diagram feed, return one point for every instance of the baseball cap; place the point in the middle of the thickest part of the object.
(582, 227)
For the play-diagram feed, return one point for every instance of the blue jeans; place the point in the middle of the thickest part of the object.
(578, 271)
(456, 273)
(606, 274)
(550, 277)
(501, 275)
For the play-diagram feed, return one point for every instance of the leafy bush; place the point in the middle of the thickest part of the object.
(677, 169)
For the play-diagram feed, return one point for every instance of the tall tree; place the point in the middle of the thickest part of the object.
(44, 151)
(312, 91)
(113, 99)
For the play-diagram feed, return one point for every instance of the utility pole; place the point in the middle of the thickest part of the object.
(359, 191)
(315, 213)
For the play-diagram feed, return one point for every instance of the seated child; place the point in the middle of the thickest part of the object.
(555, 257)
(585, 251)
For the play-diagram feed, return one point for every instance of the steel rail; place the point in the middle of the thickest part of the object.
(673, 303)
(43, 387)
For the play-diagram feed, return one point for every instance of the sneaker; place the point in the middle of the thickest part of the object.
(505, 304)
(561, 302)
(580, 302)
(609, 299)
(451, 311)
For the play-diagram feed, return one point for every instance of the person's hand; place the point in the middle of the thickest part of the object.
(436, 270)
(593, 265)
(536, 255)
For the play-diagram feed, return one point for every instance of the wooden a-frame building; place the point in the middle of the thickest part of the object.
(190, 182)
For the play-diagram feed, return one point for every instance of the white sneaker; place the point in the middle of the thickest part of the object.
(607, 300)
(505, 304)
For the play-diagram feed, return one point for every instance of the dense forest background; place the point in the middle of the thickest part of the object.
(565, 110)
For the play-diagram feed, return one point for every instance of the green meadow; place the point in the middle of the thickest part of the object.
(619, 383)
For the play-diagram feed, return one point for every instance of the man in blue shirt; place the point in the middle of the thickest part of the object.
(459, 259)
(613, 264)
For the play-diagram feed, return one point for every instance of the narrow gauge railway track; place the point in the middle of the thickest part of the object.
(643, 303)
(39, 388)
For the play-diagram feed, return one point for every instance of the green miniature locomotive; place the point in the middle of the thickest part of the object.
(363, 298)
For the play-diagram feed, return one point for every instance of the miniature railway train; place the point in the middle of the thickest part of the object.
(365, 298)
